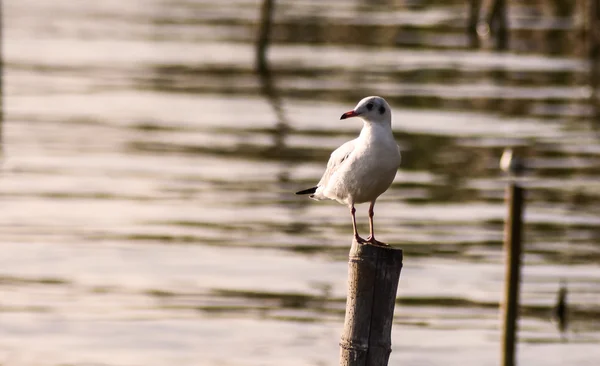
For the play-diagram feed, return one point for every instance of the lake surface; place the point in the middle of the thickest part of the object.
(147, 209)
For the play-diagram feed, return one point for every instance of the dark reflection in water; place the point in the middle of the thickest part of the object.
(155, 149)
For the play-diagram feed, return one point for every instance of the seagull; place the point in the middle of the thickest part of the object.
(361, 170)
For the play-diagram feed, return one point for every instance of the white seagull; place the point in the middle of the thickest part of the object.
(362, 169)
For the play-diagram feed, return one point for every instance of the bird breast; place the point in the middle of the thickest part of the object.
(368, 172)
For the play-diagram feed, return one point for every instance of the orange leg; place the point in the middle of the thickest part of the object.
(371, 238)
(356, 236)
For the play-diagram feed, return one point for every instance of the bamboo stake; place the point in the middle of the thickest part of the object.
(373, 276)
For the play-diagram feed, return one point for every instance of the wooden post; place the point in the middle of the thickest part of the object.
(593, 29)
(264, 34)
(593, 39)
(561, 309)
(373, 276)
(498, 23)
(266, 76)
(512, 249)
(474, 10)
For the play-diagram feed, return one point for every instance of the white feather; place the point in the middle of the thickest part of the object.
(362, 169)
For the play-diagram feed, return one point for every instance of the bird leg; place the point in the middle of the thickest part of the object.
(356, 236)
(371, 238)
(371, 230)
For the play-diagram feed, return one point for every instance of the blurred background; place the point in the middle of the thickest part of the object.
(149, 160)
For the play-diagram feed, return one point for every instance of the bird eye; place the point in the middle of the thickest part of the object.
(381, 110)
(369, 106)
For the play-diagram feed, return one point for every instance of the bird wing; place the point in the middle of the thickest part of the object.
(337, 158)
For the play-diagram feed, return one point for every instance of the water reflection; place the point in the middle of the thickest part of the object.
(153, 161)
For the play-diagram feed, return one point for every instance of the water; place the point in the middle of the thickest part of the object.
(147, 177)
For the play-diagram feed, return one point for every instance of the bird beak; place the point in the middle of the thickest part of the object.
(349, 114)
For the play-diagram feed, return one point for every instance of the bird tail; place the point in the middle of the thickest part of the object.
(308, 191)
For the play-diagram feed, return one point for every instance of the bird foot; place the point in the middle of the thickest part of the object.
(359, 240)
(371, 240)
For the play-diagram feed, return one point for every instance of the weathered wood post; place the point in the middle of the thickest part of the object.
(474, 10)
(373, 276)
(498, 23)
(512, 250)
(593, 38)
(593, 29)
(561, 309)
(264, 34)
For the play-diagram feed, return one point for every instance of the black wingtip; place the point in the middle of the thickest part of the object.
(308, 191)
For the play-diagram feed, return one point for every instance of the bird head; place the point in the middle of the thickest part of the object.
(371, 109)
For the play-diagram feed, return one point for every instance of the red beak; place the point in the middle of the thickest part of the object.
(349, 114)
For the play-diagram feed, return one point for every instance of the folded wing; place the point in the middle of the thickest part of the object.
(336, 160)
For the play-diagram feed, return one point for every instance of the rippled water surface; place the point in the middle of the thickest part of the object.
(147, 209)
